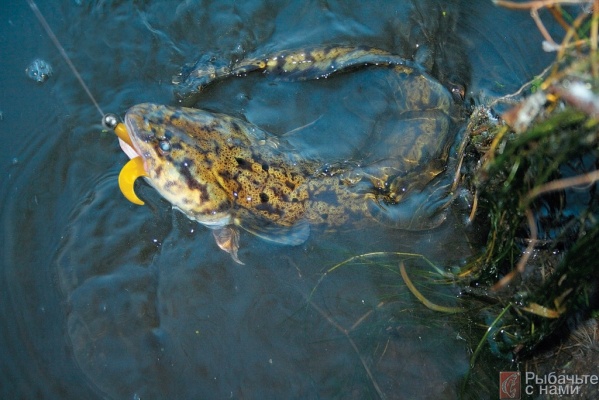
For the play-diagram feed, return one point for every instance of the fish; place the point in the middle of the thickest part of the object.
(226, 173)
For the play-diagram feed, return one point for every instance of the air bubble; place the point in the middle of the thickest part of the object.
(39, 70)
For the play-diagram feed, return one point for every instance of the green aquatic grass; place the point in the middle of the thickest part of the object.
(537, 193)
(393, 262)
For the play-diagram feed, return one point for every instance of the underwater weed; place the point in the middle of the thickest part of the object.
(537, 185)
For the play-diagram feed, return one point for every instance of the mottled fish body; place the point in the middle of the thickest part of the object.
(224, 172)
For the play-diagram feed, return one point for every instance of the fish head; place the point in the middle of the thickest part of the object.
(179, 149)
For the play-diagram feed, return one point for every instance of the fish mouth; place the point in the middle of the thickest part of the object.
(136, 166)
(134, 122)
(128, 150)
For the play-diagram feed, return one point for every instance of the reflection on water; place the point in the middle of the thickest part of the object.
(102, 298)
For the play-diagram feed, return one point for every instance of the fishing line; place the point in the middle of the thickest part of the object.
(62, 52)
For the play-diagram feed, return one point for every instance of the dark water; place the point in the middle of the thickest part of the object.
(104, 299)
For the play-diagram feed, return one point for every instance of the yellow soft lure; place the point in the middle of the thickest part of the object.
(134, 168)
(127, 177)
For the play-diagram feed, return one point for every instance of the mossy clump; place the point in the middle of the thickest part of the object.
(536, 189)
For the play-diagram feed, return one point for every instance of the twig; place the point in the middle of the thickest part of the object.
(594, 32)
(474, 207)
(535, 4)
(521, 266)
(534, 7)
(345, 332)
(522, 88)
(427, 303)
(560, 184)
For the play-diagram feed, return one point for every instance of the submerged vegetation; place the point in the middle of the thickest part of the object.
(536, 185)
(532, 175)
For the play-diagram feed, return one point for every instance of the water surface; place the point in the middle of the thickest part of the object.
(104, 299)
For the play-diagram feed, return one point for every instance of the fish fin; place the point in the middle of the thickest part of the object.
(293, 235)
(258, 136)
(420, 211)
(227, 238)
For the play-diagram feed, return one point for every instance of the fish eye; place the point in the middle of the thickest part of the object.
(164, 145)
(458, 92)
